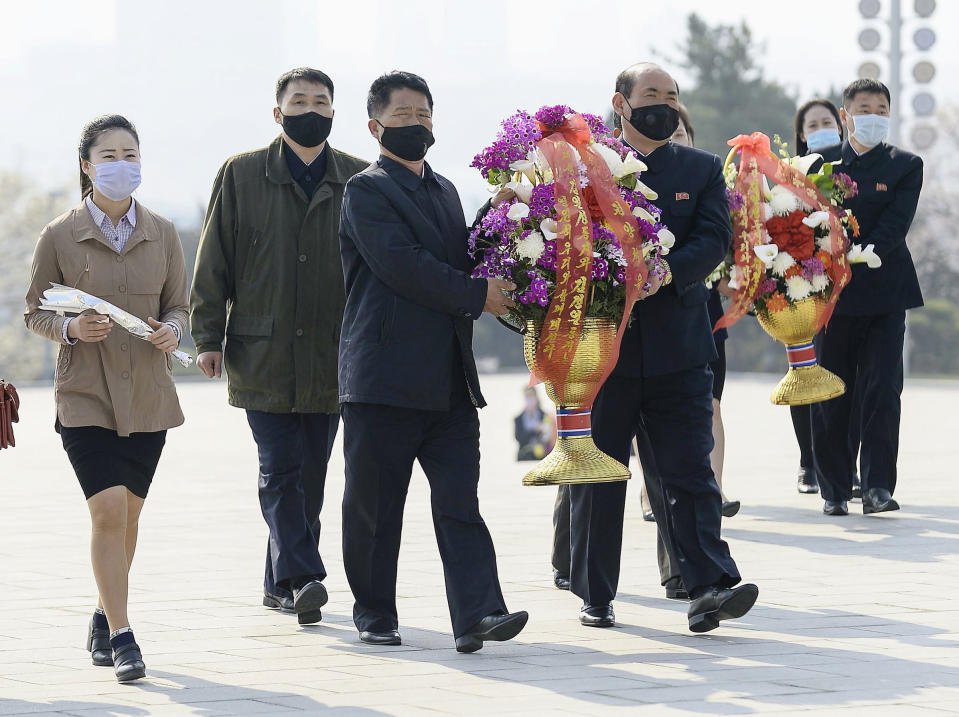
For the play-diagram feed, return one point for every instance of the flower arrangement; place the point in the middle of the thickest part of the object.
(791, 240)
(563, 216)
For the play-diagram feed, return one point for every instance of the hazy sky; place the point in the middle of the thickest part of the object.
(197, 77)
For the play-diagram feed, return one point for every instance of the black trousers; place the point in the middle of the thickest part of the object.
(672, 414)
(802, 425)
(381, 443)
(866, 353)
(294, 449)
(561, 519)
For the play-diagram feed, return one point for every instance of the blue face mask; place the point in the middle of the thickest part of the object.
(870, 130)
(825, 137)
(117, 180)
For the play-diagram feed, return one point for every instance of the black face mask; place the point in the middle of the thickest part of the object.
(658, 122)
(409, 143)
(307, 130)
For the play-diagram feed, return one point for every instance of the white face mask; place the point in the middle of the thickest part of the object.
(825, 137)
(870, 130)
(117, 180)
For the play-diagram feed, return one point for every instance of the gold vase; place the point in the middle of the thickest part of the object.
(575, 458)
(806, 381)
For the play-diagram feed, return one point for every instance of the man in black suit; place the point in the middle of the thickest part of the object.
(408, 383)
(661, 388)
(864, 340)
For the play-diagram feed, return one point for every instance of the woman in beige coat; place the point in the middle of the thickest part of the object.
(114, 393)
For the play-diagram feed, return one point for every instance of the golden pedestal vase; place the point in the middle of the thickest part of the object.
(806, 381)
(575, 458)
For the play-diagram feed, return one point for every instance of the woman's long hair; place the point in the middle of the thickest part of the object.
(88, 137)
(801, 147)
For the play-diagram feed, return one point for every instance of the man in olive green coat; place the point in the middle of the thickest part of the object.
(269, 283)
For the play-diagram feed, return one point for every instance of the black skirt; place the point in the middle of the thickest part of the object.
(719, 370)
(102, 459)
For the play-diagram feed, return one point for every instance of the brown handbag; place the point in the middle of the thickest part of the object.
(9, 413)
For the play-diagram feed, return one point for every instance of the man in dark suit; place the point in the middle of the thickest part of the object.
(661, 388)
(864, 340)
(408, 383)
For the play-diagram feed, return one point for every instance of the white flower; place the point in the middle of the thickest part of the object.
(542, 164)
(518, 211)
(521, 189)
(782, 201)
(798, 288)
(666, 238)
(734, 277)
(549, 227)
(531, 246)
(823, 243)
(804, 162)
(647, 192)
(859, 255)
(766, 252)
(526, 166)
(781, 262)
(631, 165)
(820, 282)
(767, 210)
(816, 219)
(641, 213)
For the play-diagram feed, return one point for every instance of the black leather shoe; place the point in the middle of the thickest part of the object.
(597, 615)
(648, 516)
(98, 645)
(128, 663)
(717, 604)
(308, 598)
(381, 638)
(675, 590)
(278, 602)
(856, 485)
(496, 628)
(730, 508)
(878, 500)
(560, 581)
(806, 481)
(835, 507)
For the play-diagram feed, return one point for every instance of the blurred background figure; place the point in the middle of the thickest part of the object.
(534, 428)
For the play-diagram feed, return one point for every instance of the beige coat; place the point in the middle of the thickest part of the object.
(122, 383)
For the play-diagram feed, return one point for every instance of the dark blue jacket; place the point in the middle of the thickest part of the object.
(671, 329)
(889, 181)
(410, 299)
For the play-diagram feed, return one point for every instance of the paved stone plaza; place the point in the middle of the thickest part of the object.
(855, 615)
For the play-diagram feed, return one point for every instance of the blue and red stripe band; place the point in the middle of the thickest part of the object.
(801, 355)
(573, 422)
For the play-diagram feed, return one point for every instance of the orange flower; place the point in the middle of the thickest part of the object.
(776, 302)
(854, 225)
(794, 270)
(824, 257)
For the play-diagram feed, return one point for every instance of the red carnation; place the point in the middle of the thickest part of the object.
(792, 236)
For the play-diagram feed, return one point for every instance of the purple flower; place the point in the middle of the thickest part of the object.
(517, 136)
(768, 286)
(541, 200)
(735, 199)
(812, 267)
(552, 115)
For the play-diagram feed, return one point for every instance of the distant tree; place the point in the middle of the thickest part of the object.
(730, 94)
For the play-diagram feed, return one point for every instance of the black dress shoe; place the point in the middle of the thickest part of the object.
(98, 645)
(496, 628)
(717, 604)
(856, 485)
(675, 590)
(597, 615)
(560, 581)
(835, 507)
(308, 598)
(878, 500)
(648, 516)
(278, 602)
(730, 508)
(381, 638)
(806, 481)
(128, 663)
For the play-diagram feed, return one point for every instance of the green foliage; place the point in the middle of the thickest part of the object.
(731, 96)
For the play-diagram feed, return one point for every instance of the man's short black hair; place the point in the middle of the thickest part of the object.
(378, 98)
(302, 73)
(864, 85)
(626, 80)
